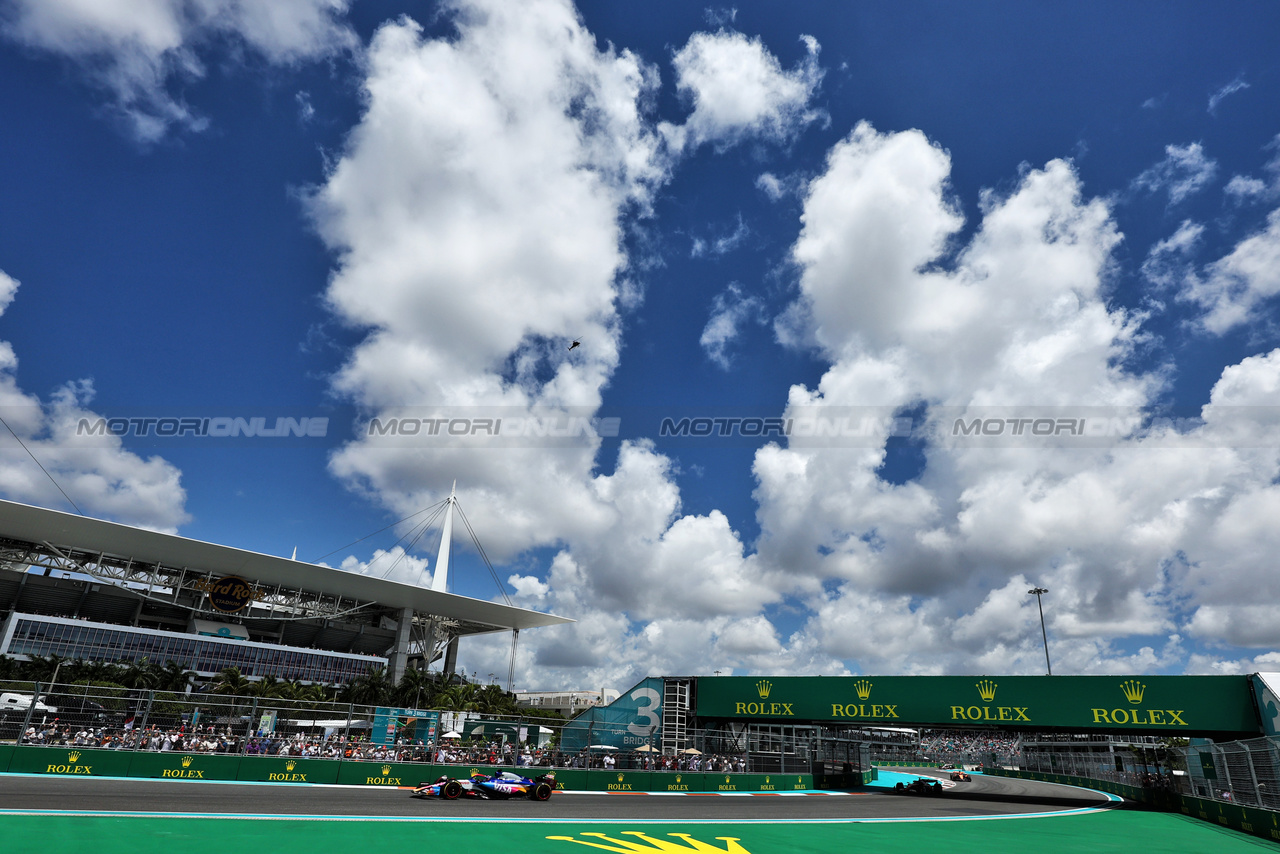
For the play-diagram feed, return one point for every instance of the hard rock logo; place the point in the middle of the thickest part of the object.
(987, 690)
(763, 687)
(1133, 690)
(863, 687)
(647, 843)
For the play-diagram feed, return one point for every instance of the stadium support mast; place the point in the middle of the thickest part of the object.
(440, 578)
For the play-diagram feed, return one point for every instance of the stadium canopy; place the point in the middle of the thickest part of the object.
(179, 572)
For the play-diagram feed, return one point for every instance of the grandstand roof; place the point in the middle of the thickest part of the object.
(25, 523)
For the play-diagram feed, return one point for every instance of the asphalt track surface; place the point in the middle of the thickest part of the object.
(985, 796)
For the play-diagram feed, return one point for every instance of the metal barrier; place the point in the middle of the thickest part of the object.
(1239, 772)
(103, 717)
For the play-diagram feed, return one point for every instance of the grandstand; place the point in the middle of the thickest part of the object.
(85, 588)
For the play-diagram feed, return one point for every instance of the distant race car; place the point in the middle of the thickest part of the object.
(961, 777)
(497, 787)
(919, 786)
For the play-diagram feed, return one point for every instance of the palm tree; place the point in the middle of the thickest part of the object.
(230, 682)
(373, 688)
(174, 677)
(492, 700)
(140, 674)
(415, 688)
(459, 698)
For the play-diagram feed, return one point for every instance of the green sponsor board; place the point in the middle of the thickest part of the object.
(757, 782)
(6, 753)
(567, 779)
(692, 781)
(364, 773)
(619, 781)
(69, 761)
(1183, 705)
(175, 765)
(288, 769)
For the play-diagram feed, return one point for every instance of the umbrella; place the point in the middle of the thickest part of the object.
(601, 747)
(646, 748)
(452, 735)
(692, 750)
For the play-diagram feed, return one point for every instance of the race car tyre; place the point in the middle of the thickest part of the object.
(451, 790)
(935, 789)
(899, 788)
(541, 792)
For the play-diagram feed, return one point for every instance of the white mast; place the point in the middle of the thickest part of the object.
(440, 579)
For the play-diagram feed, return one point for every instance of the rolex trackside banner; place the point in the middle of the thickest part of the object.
(1183, 705)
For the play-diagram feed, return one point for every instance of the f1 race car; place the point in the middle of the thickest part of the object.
(501, 786)
(960, 776)
(919, 786)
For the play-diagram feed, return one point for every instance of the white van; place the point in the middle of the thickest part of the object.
(22, 702)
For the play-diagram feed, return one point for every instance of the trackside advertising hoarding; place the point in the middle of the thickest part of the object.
(1177, 705)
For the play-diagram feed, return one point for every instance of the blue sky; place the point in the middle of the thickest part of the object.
(900, 216)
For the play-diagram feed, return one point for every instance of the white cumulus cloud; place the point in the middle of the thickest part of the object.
(739, 90)
(137, 50)
(47, 459)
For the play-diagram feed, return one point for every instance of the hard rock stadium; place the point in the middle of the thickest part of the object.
(676, 763)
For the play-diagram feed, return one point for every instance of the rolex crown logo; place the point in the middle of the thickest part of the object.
(290, 765)
(863, 687)
(987, 690)
(1133, 689)
(472, 772)
(386, 769)
(726, 779)
(766, 779)
(73, 756)
(763, 687)
(677, 778)
(187, 760)
(619, 778)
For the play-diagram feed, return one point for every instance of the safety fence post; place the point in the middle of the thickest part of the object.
(248, 733)
(146, 711)
(31, 707)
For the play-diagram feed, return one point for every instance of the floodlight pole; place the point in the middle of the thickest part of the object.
(1038, 592)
